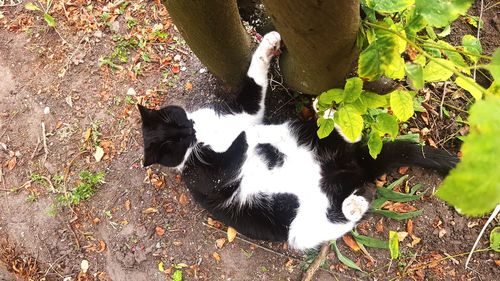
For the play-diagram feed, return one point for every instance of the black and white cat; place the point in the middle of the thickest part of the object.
(273, 182)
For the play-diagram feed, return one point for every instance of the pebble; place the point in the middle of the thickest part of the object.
(203, 70)
(131, 92)
(46, 110)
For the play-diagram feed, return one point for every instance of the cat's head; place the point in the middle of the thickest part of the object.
(167, 135)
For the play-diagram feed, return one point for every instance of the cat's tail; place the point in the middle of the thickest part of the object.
(403, 153)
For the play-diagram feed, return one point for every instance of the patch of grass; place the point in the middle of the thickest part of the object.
(84, 190)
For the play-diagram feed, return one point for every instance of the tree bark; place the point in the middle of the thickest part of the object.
(213, 31)
(320, 40)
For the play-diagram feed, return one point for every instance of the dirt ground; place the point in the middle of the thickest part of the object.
(58, 107)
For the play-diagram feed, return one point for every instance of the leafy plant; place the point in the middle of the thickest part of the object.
(44, 10)
(85, 188)
(402, 40)
(495, 239)
(345, 260)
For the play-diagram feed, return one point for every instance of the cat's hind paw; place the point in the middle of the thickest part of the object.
(354, 207)
(269, 46)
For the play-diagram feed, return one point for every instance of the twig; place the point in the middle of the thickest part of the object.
(315, 265)
(74, 235)
(490, 219)
(52, 264)
(44, 137)
(254, 244)
(36, 149)
(442, 100)
(477, 36)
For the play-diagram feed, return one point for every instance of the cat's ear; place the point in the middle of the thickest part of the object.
(147, 115)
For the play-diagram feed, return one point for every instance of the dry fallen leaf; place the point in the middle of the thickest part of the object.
(497, 262)
(216, 257)
(403, 170)
(415, 241)
(231, 234)
(220, 242)
(351, 242)
(159, 231)
(213, 223)
(10, 164)
(189, 86)
(402, 235)
(87, 134)
(127, 204)
(379, 226)
(102, 246)
(409, 227)
(183, 199)
(398, 207)
(150, 210)
(442, 232)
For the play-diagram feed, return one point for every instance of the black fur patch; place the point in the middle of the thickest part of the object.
(250, 96)
(271, 155)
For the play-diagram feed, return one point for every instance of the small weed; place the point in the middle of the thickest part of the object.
(84, 190)
(130, 100)
(38, 178)
(44, 10)
(51, 210)
(32, 198)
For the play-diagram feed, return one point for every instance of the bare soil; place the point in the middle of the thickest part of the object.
(140, 219)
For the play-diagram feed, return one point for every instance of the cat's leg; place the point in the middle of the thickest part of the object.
(253, 95)
(354, 207)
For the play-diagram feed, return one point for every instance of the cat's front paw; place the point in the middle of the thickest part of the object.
(269, 46)
(354, 207)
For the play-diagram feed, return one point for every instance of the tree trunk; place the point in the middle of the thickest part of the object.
(213, 30)
(320, 40)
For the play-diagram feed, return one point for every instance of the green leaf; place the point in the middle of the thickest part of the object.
(397, 216)
(387, 124)
(402, 104)
(455, 57)
(473, 187)
(342, 258)
(350, 122)
(397, 196)
(330, 96)
(494, 65)
(378, 57)
(471, 86)
(373, 100)
(394, 244)
(177, 276)
(49, 19)
(446, 31)
(494, 89)
(397, 182)
(389, 6)
(495, 239)
(374, 145)
(438, 70)
(416, 74)
(472, 45)
(32, 7)
(441, 13)
(352, 89)
(325, 127)
(370, 241)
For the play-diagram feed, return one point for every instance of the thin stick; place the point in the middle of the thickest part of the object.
(442, 100)
(315, 265)
(254, 244)
(477, 36)
(490, 219)
(44, 137)
(52, 264)
(36, 149)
